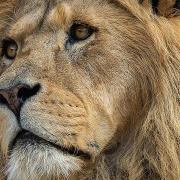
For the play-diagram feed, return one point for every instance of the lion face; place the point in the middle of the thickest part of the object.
(69, 85)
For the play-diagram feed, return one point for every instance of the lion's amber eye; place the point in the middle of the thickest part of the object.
(9, 49)
(80, 32)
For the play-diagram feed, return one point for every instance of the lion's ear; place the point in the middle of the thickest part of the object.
(166, 8)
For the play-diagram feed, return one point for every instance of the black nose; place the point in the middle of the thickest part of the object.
(15, 97)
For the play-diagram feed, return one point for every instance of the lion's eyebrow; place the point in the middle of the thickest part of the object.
(28, 23)
(61, 15)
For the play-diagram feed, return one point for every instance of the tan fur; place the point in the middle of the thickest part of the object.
(60, 16)
(116, 95)
(165, 7)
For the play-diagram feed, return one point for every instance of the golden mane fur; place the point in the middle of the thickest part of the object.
(152, 148)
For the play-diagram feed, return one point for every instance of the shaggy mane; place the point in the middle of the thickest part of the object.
(152, 149)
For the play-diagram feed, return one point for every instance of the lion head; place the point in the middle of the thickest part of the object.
(89, 89)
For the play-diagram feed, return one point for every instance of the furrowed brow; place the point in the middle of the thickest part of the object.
(61, 15)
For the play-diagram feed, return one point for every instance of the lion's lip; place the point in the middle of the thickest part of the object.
(28, 138)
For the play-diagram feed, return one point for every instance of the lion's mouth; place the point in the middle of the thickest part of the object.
(26, 139)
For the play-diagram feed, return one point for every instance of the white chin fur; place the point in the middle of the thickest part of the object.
(41, 164)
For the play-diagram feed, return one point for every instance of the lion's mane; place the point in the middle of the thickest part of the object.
(152, 149)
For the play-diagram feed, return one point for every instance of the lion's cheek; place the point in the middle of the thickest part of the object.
(101, 129)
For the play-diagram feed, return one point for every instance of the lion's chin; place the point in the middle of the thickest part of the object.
(34, 158)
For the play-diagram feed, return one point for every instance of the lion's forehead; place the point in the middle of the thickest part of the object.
(54, 15)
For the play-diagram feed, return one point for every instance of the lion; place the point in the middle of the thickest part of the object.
(89, 89)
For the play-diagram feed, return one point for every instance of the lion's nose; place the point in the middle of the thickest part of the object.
(15, 97)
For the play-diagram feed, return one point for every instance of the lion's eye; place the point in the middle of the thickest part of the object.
(80, 32)
(9, 49)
